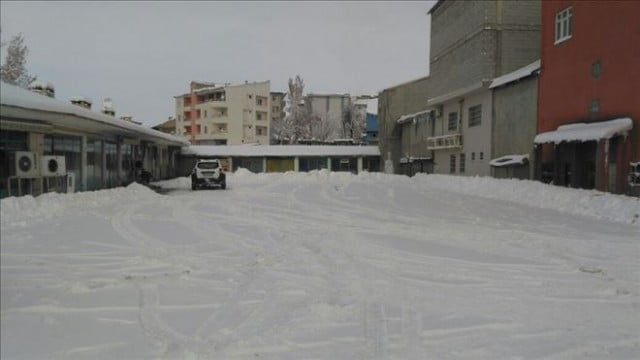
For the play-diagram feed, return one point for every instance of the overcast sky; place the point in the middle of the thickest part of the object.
(141, 54)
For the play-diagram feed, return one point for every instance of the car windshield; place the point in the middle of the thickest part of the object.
(208, 165)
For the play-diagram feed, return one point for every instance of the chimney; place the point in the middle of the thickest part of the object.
(43, 88)
(107, 107)
(82, 101)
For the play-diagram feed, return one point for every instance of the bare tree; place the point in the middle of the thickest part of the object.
(13, 70)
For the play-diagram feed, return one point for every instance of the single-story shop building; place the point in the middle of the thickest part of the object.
(282, 158)
(52, 145)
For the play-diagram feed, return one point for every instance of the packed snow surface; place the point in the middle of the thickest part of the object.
(322, 265)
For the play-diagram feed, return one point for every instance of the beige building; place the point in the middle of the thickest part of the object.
(225, 114)
(277, 108)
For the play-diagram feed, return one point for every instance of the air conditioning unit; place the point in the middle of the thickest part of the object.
(71, 183)
(26, 164)
(53, 165)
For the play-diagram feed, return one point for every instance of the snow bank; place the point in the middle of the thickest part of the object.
(18, 211)
(590, 203)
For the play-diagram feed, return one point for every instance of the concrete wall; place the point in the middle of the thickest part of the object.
(477, 139)
(394, 102)
(477, 40)
(514, 118)
(330, 109)
(413, 139)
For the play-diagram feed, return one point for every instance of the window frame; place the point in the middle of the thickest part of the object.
(462, 165)
(452, 164)
(563, 25)
(472, 122)
(453, 119)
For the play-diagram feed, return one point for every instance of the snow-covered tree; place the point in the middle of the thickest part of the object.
(13, 69)
(295, 124)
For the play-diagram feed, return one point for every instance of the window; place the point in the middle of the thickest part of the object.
(596, 69)
(475, 115)
(258, 115)
(594, 107)
(462, 162)
(205, 113)
(205, 129)
(453, 121)
(473, 156)
(481, 155)
(563, 25)
(452, 164)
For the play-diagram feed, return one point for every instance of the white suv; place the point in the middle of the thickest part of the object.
(208, 173)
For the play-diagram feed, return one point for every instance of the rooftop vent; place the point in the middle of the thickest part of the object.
(107, 107)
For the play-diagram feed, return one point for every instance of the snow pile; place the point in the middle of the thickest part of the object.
(590, 203)
(20, 211)
(176, 183)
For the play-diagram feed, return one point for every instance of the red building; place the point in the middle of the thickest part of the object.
(589, 95)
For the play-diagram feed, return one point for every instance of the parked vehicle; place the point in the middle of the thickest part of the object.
(208, 173)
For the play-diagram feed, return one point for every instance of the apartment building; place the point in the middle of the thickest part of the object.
(224, 114)
(278, 105)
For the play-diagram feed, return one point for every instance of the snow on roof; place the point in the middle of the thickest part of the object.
(11, 95)
(516, 75)
(39, 84)
(280, 150)
(207, 89)
(586, 131)
(509, 160)
(406, 118)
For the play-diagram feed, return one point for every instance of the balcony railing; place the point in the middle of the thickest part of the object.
(444, 142)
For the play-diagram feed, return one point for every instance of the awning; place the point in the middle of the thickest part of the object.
(586, 131)
(510, 160)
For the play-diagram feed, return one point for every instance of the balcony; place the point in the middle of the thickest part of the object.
(452, 141)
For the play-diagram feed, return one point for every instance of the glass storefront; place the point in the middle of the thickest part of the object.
(312, 163)
(10, 142)
(127, 162)
(94, 164)
(111, 164)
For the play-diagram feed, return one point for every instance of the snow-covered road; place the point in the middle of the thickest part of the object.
(322, 266)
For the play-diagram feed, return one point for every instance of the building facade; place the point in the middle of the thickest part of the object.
(50, 145)
(328, 115)
(515, 101)
(589, 107)
(221, 114)
(278, 105)
(283, 158)
(473, 42)
(393, 103)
